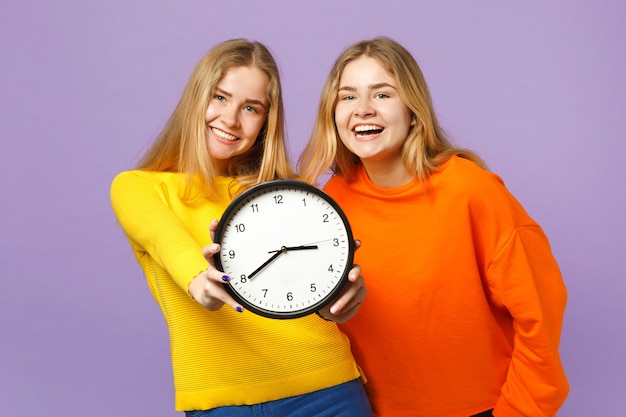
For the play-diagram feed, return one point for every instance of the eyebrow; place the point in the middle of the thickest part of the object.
(371, 87)
(247, 101)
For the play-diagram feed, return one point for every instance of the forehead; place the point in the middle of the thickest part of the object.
(365, 70)
(245, 82)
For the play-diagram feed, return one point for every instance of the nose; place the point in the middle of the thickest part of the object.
(230, 116)
(364, 108)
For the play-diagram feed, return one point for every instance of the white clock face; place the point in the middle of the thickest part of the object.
(287, 247)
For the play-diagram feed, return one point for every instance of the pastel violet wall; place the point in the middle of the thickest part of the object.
(537, 88)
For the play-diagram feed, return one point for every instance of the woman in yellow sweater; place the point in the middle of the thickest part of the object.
(465, 303)
(225, 135)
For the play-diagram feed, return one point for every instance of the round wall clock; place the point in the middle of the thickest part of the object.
(287, 247)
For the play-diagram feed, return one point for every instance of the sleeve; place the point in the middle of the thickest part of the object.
(525, 278)
(153, 229)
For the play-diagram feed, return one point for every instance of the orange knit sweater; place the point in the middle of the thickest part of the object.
(465, 301)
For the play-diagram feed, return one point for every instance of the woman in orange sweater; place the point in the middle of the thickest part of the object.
(466, 301)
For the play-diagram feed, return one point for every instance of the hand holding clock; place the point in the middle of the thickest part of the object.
(347, 304)
(349, 301)
(208, 290)
(207, 287)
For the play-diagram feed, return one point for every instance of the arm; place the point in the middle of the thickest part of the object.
(525, 279)
(140, 204)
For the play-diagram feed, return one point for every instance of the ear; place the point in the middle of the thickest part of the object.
(413, 119)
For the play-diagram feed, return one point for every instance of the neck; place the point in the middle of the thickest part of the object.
(221, 167)
(384, 175)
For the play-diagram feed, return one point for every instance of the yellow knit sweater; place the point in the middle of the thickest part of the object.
(222, 357)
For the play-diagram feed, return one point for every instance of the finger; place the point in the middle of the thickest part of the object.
(350, 310)
(209, 250)
(213, 228)
(355, 273)
(357, 244)
(344, 317)
(215, 295)
(341, 317)
(355, 302)
(224, 298)
(354, 293)
(233, 304)
(337, 306)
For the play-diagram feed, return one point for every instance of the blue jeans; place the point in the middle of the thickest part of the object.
(344, 400)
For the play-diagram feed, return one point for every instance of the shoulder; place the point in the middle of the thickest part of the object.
(142, 179)
(338, 187)
(466, 179)
(466, 173)
(141, 175)
(483, 191)
(335, 182)
(139, 187)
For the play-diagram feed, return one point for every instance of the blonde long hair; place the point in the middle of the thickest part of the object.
(181, 145)
(426, 146)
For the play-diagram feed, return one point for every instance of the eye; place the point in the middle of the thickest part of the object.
(347, 98)
(381, 95)
(219, 97)
(251, 109)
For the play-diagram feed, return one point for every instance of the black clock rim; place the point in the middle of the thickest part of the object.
(234, 204)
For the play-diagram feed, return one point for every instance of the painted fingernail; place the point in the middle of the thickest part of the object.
(225, 278)
(239, 309)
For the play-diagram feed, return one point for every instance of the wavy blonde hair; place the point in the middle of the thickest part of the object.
(426, 146)
(181, 145)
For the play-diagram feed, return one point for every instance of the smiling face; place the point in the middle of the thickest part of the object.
(372, 120)
(235, 114)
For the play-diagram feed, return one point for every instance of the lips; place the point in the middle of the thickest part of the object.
(223, 135)
(367, 130)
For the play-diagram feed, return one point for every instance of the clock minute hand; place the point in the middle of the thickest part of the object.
(266, 263)
(288, 248)
(301, 247)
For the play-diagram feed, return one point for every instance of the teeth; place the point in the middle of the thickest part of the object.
(366, 128)
(223, 134)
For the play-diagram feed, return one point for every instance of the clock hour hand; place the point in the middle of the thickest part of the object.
(266, 263)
